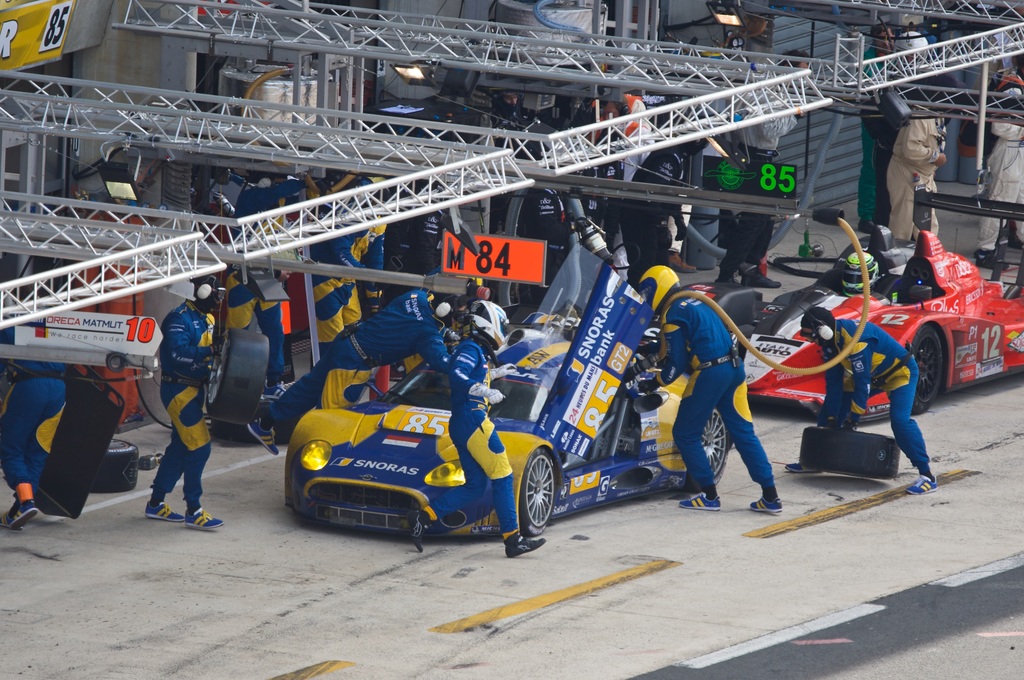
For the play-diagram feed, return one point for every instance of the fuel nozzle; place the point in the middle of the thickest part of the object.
(592, 238)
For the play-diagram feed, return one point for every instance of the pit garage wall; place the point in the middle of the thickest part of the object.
(837, 182)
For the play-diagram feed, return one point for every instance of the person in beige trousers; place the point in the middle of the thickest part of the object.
(916, 156)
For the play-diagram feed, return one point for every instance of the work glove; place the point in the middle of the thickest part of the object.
(502, 371)
(647, 386)
(491, 395)
(650, 348)
(639, 367)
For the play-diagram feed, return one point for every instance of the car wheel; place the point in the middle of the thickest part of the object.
(717, 442)
(119, 470)
(536, 493)
(927, 349)
(236, 381)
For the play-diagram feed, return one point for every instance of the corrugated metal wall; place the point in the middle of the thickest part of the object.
(837, 182)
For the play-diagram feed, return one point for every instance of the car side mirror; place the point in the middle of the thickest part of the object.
(646, 403)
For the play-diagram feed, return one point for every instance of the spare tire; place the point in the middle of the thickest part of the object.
(119, 469)
(238, 376)
(849, 452)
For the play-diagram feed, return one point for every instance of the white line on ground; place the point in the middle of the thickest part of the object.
(981, 572)
(145, 493)
(784, 635)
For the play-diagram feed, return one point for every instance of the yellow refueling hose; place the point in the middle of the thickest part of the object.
(837, 217)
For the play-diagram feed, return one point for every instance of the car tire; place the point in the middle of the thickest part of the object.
(536, 493)
(119, 469)
(238, 376)
(848, 452)
(717, 442)
(931, 362)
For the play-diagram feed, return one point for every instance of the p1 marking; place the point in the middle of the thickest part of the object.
(500, 258)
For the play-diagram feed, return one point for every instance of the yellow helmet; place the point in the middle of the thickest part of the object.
(657, 284)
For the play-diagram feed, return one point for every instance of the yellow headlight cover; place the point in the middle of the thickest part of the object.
(315, 455)
(447, 474)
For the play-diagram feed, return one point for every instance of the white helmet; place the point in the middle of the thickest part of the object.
(910, 40)
(486, 323)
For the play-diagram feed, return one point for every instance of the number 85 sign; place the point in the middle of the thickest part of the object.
(506, 259)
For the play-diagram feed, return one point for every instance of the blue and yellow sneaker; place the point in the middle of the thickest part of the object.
(761, 505)
(274, 392)
(701, 502)
(798, 468)
(200, 519)
(923, 485)
(163, 512)
(15, 519)
(263, 436)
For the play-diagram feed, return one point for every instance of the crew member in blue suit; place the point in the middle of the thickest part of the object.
(31, 411)
(484, 329)
(877, 363)
(266, 194)
(694, 340)
(405, 327)
(186, 354)
(336, 300)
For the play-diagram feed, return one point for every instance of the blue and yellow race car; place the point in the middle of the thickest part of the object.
(576, 437)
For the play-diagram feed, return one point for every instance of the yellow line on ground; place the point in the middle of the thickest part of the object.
(554, 598)
(312, 671)
(850, 508)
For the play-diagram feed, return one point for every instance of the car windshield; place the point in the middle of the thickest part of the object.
(429, 389)
(558, 316)
(570, 290)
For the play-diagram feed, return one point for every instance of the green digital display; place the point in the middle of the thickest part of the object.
(767, 179)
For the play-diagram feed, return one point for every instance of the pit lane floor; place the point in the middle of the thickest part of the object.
(115, 595)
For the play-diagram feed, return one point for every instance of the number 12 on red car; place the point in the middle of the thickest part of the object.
(501, 258)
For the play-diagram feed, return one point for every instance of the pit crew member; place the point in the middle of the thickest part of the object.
(31, 411)
(693, 339)
(186, 354)
(484, 329)
(406, 326)
(877, 363)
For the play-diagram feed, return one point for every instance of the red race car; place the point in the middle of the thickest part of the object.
(961, 328)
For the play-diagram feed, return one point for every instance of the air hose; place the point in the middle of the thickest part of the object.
(826, 216)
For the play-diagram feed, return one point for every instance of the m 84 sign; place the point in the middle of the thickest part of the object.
(506, 259)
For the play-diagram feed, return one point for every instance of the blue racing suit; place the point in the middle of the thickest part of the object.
(480, 450)
(698, 342)
(405, 327)
(242, 302)
(877, 363)
(186, 354)
(337, 300)
(31, 411)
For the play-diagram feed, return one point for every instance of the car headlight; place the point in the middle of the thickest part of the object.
(315, 455)
(448, 474)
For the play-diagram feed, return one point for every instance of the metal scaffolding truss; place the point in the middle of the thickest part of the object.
(112, 254)
(119, 115)
(124, 250)
(850, 74)
(997, 12)
(272, 232)
(562, 152)
(122, 115)
(504, 49)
